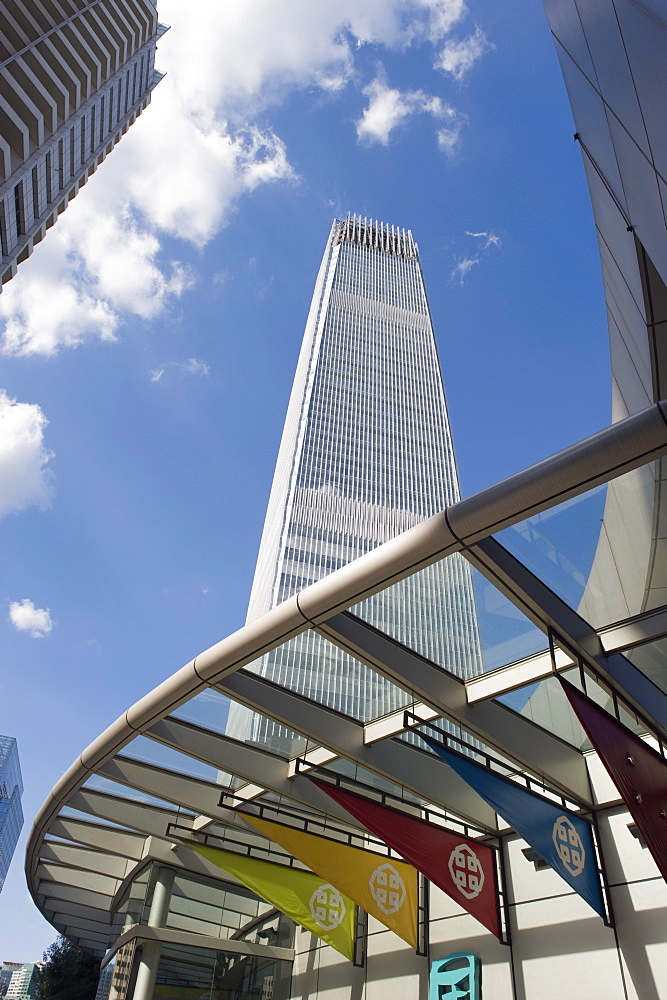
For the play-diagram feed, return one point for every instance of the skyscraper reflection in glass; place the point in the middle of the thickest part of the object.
(11, 814)
(366, 453)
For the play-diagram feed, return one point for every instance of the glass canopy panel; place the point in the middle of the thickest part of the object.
(605, 552)
(98, 783)
(255, 729)
(151, 752)
(318, 670)
(545, 704)
(68, 813)
(651, 658)
(559, 544)
(453, 616)
(208, 709)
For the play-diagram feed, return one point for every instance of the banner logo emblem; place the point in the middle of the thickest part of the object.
(466, 871)
(568, 845)
(327, 907)
(387, 888)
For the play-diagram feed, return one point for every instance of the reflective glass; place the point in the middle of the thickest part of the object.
(151, 752)
(559, 544)
(311, 666)
(201, 974)
(260, 731)
(651, 658)
(545, 704)
(453, 616)
(208, 709)
(99, 783)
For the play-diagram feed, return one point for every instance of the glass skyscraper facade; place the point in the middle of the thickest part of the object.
(11, 814)
(366, 453)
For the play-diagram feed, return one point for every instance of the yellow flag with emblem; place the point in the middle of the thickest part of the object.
(306, 898)
(384, 887)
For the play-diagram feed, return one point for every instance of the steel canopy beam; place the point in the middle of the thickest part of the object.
(102, 838)
(140, 816)
(514, 736)
(397, 761)
(548, 611)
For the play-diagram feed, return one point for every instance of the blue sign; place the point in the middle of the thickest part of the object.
(457, 977)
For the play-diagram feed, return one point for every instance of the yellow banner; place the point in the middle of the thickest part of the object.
(382, 886)
(306, 898)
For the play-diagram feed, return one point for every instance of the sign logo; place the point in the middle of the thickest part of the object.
(457, 977)
(327, 907)
(387, 888)
(466, 871)
(568, 845)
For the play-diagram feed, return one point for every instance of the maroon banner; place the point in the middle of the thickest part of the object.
(639, 773)
(461, 867)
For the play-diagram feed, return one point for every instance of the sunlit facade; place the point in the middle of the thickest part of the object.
(11, 813)
(366, 453)
(75, 76)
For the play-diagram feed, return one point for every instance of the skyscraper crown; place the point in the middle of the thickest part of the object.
(376, 236)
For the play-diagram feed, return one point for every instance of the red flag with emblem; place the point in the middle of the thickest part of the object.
(463, 868)
(639, 773)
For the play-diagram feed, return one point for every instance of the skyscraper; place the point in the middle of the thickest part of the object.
(11, 814)
(74, 75)
(366, 453)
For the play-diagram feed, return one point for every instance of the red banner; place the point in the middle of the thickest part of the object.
(639, 773)
(463, 868)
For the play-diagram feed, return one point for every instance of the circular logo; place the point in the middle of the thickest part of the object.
(387, 888)
(466, 871)
(568, 845)
(327, 907)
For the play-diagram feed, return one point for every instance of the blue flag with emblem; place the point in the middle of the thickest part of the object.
(562, 838)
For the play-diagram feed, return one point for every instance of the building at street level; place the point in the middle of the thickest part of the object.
(366, 453)
(74, 75)
(11, 814)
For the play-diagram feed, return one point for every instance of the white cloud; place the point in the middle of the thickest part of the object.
(449, 139)
(458, 58)
(191, 366)
(194, 366)
(490, 239)
(25, 617)
(463, 266)
(199, 148)
(25, 479)
(388, 108)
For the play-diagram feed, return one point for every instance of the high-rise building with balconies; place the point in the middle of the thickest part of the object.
(74, 75)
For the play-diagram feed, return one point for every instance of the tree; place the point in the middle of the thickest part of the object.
(68, 973)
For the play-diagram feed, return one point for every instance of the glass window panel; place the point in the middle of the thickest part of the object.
(193, 973)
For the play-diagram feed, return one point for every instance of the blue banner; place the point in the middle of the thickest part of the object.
(563, 839)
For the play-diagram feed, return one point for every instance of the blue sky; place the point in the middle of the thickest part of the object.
(149, 344)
